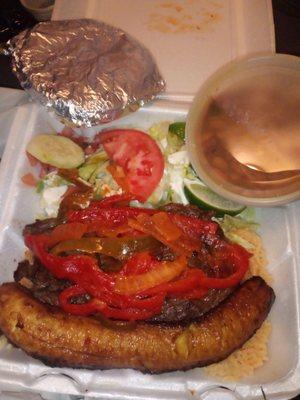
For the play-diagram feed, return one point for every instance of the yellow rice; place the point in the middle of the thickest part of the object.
(254, 353)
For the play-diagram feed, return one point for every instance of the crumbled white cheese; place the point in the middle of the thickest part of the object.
(179, 158)
(50, 199)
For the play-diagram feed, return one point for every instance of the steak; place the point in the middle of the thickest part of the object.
(40, 282)
(41, 226)
(188, 210)
(46, 288)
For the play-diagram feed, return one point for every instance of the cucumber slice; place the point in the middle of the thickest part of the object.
(178, 129)
(203, 197)
(58, 151)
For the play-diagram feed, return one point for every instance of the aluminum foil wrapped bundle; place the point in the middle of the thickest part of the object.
(86, 71)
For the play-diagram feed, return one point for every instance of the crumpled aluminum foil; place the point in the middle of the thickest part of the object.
(88, 72)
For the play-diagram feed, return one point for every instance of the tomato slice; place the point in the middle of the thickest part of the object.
(29, 179)
(139, 156)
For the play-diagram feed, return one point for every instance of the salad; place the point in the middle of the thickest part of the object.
(154, 167)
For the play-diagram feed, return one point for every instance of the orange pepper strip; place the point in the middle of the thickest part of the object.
(185, 245)
(101, 230)
(165, 226)
(148, 230)
(164, 272)
(119, 176)
(144, 223)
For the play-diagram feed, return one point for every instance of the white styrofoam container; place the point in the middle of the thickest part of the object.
(280, 230)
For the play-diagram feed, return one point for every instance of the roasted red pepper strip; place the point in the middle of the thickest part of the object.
(139, 309)
(115, 200)
(239, 258)
(110, 216)
(82, 270)
(88, 278)
(138, 264)
(90, 307)
(71, 231)
(193, 227)
(164, 225)
(136, 292)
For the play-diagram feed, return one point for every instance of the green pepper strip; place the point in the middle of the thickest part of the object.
(119, 248)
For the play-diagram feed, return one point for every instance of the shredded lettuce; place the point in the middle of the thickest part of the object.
(168, 142)
(159, 131)
(230, 225)
(248, 214)
(40, 186)
(170, 187)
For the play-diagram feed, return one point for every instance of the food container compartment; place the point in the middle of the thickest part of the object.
(242, 137)
(280, 230)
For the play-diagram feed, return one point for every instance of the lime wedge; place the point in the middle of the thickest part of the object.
(178, 129)
(203, 197)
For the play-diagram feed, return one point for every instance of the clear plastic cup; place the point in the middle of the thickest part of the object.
(243, 130)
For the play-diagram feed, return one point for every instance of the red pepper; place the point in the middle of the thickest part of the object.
(239, 258)
(119, 295)
(90, 307)
(80, 269)
(138, 264)
(138, 302)
(117, 199)
(193, 227)
(137, 309)
(165, 226)
(88, 278)
(110, 216)
(71, 231)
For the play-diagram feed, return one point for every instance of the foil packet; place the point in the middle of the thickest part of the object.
(86, 71)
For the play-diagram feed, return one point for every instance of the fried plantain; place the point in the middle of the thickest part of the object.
(61, 339)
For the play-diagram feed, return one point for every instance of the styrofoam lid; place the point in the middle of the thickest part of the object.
(243, 130)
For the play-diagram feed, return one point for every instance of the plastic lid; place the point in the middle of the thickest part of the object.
(243, 130)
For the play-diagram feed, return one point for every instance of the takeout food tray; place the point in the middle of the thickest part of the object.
(280, 230)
